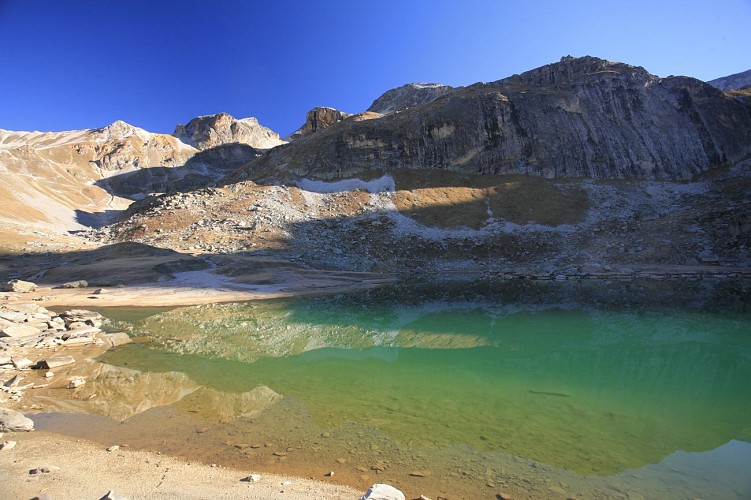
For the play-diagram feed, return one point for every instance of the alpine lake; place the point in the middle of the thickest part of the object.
(455, 389)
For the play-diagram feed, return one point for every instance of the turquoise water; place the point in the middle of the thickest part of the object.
(550, 388)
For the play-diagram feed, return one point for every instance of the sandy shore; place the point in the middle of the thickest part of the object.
(89, 471)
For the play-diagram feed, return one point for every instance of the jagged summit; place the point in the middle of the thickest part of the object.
(208, 131)
(408, 96)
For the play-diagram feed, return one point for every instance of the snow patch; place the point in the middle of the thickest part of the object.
(380, 185)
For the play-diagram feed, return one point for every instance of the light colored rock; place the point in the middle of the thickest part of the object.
(14, 421)
(7, 445)
(382, 492)
(116, 339)
(100, 291)
(21, 362)
(76, 382)
(19, 286)
(205, 132)
(21, 330)
(13, 316)
(5, 360)
(56, 361)
(114, 447)
(79, 340)
(252, 478)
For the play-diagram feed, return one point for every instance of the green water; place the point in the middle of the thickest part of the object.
(593, 382)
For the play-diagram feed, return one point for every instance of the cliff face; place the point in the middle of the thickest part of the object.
(208, 131)
(581, 117)
(408, 96)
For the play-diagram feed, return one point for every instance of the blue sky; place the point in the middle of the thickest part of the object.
(83, 64)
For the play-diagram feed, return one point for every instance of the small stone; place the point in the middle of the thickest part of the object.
(114, 447)
(255, 446)
(251, 478)
(57, 361)
(280, 453)
(49, 374)
(423, 497)
(14, 421)
(329, 474)
(100, 291)
(45, 469)
(418, 473)
(341, 460)
(76, 382)
(503, 496)
(7, 445)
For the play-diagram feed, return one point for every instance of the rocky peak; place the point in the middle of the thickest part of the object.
(571, 70)
(208, 131)
(408, 96)
(317, 119)
(119, 130)
(736, 81)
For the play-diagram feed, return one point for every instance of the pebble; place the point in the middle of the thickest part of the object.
(251, 478)
(114, 447)
(45, 469)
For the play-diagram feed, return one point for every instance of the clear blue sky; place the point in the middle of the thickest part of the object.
(83, 64)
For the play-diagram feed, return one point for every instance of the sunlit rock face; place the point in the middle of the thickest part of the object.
(580, 117)
(204, 132)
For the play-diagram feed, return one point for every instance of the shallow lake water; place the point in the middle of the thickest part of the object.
(454, 390)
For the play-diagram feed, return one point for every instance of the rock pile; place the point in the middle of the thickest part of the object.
(27, 328)
(31, 324)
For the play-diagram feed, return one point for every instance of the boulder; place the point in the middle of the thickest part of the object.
(382, 492)
(19, 330)
(56, 361)
(14, 421)
(19, 286)
(75, 284)
(117, 338)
